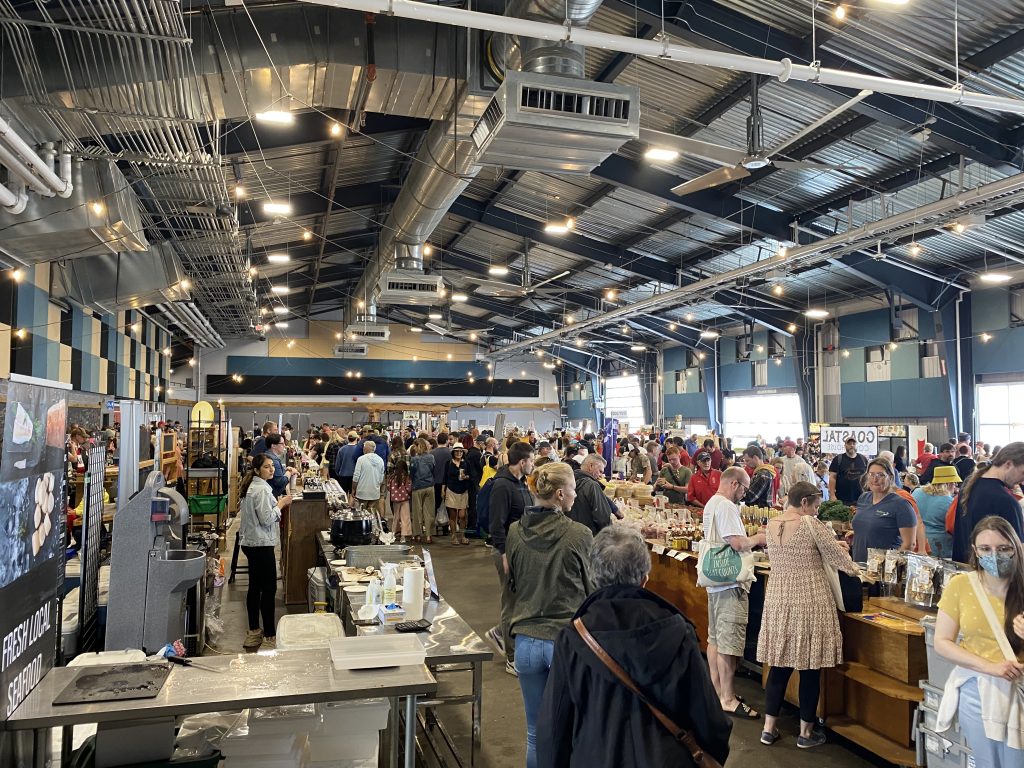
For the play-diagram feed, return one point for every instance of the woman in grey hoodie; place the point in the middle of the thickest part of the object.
(548, 561)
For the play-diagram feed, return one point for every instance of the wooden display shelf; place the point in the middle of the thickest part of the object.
(302, 522)
(884, 684)
(675, 580)
(871, 741)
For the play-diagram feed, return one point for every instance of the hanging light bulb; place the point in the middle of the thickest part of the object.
(839, 13)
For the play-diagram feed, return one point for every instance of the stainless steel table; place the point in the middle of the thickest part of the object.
(451, 646)
(249, 680)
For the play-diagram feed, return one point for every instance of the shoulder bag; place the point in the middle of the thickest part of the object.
(847, 590)
(718, 563)
(700, 758)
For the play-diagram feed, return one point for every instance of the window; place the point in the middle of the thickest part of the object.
(770, 416)
(623, 401)
(1000, 413)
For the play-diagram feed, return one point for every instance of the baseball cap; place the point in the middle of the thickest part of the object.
(789, 444)
(703, 456)
(481, 438)
(353, 434)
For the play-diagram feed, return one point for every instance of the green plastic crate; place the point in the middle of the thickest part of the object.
(207, 505)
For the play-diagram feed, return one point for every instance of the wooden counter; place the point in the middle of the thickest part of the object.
(871, 698)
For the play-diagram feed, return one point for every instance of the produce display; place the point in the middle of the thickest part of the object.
(835, 511)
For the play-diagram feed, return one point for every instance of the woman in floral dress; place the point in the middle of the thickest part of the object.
(800, 624)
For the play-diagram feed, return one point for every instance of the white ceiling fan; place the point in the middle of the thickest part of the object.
(738, 163)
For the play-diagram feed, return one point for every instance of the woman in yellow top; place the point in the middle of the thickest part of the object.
(980, 691)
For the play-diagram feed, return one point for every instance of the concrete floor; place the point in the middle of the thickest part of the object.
(467, 580)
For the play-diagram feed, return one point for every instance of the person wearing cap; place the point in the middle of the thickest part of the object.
(933, 501)
(345, 461)
(704, 481)
(544, 451)
(456, 493)
(794, 469)
(475, 467)
(845, 473)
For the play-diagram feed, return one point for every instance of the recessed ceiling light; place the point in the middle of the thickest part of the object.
(276, 117)
(278, 258)
(661, 155)
(497, 270)
(637, 348)
(278, 209)
(557, 227)
(280, 290)
(816, 314)
(434, 315)
(994, 277)
(280, 310)
(709, 334)
(460, 297)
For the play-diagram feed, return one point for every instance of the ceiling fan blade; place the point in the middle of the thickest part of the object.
(709, 180)
(812, 165)
(714, 153)
(821, 121)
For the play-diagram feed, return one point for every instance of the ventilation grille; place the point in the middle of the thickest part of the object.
(351, 349)
(573, 103)
(409, 287)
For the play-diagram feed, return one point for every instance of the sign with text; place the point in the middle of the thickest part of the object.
(833, 439)
(33, 493)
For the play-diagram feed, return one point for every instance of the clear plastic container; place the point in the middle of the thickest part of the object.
(355, 716)
(298, 631)
(374, 652)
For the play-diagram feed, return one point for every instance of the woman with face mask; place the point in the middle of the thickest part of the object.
(985, 608)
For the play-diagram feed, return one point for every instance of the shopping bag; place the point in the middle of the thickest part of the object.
(441, 518)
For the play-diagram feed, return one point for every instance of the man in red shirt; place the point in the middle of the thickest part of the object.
(704, 481)
(925, 459)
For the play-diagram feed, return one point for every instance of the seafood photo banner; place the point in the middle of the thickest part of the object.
(33, 493)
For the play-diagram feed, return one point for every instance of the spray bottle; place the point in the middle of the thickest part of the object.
(390, 584)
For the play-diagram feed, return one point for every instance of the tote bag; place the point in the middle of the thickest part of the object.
(718, 563)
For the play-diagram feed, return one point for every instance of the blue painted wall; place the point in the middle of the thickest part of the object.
(1004, 351)
(691, 406)
(916, 398)
(305, 366)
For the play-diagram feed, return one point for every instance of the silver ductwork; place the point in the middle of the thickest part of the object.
(448, 161)
(543, 57)
(118, 281)
(191, 322)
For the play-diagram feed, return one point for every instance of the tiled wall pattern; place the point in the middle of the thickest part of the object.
(119, 355)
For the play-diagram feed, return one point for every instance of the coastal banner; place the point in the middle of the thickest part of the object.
(33, 493)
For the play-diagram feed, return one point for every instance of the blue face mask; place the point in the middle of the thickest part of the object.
(997, 565)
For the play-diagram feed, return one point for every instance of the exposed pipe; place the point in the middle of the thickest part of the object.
(959, 368)
(17, 168)
(821, 250)
(35, 164)
(20, 194)
(662, 49)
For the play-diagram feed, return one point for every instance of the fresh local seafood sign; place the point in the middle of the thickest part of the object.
(833, 439)
(33, 496)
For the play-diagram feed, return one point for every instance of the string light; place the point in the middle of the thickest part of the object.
(17, 275)
(319, 381)
(986, 337)
(840, 12)
(791, 328)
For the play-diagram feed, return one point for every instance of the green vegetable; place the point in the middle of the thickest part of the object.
(835, 511)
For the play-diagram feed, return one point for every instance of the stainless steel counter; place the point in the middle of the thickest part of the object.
(249, 680)
(451, 646)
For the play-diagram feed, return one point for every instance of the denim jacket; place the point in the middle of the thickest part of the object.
(260, 516)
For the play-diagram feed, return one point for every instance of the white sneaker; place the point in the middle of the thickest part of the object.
(494, 635)
(510, 667)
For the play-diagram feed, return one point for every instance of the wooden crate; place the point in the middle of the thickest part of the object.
(676, 581)
(897, 653)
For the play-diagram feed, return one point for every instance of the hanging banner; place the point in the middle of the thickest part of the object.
(833, 439)
(33, 493)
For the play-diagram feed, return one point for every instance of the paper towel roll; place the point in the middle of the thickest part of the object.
(412, 593)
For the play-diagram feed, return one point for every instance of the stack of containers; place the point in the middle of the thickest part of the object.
(270, 737)
(102, 594)
(938, 750)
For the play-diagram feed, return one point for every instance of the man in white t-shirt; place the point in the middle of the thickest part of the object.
(727, 603)
(794, 469)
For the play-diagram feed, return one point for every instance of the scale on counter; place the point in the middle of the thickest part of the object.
(117, 682)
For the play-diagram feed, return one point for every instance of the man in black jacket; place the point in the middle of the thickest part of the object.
(591, 508)
(509, 499)
(475, 469)
(591, 719)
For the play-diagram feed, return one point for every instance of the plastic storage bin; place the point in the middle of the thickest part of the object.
(355, 716)
(317, 592)
(207, 505)
(374, 652)
(308, 630)
(939, 668)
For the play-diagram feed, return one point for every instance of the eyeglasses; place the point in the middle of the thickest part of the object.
(1005, 549)
(877, 475)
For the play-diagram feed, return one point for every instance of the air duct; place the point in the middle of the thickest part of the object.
(448, 161)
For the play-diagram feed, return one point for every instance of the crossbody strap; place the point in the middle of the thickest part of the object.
(681, 735)
(990, 614)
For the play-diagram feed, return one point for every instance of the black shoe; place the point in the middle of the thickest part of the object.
(770, 738)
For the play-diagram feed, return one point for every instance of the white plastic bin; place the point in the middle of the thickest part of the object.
(376, 651)
(343, 746)
(308, 630)
(355, 716)
(317, 590)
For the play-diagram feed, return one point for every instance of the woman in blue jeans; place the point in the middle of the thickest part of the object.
(547, 558)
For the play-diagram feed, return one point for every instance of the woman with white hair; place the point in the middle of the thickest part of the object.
(589, 717)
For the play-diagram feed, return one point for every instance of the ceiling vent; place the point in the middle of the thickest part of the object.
(351, 349)
(100, 217)
(556, 124)
(405, 286)
(368, 332)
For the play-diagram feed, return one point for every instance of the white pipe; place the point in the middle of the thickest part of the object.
(39, 167)
(960, 369)
(65, 175)
(10, 161)
(871, 230)
(14, 201)
(784, 70)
